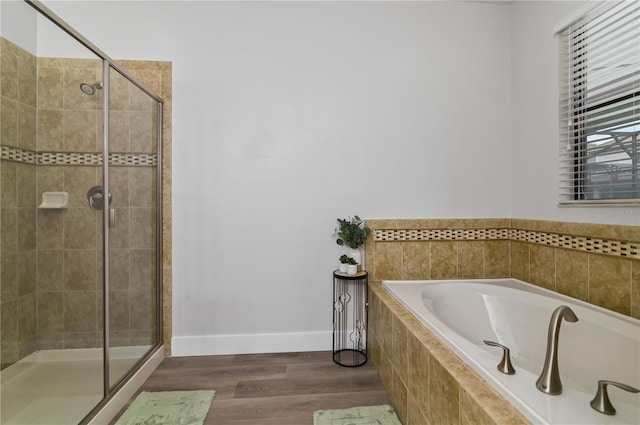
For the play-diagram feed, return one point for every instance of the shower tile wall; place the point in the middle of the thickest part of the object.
(69, 284)
(157, 76)
(70, 241)
(17, 205)
(51, 260)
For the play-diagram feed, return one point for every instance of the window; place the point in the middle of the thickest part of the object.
(600, 106)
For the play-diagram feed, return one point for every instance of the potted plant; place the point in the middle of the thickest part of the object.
(352, 266)
(344, 261)
(351, 232)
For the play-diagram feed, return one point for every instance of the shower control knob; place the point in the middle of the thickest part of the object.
(94, 198)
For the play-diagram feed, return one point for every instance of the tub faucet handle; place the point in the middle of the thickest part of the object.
(505, 365)
(601, 401)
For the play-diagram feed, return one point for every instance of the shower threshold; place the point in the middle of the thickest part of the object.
(52, 387)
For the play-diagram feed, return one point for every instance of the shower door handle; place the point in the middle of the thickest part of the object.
(95, 199)
(112, 217)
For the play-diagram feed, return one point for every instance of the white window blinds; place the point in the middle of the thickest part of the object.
(600, 106)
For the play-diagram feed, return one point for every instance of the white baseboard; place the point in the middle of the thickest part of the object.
(203, 345)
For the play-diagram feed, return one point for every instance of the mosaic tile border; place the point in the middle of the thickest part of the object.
(18, 155)
(77, 158)
(580, 243)
(440, 234)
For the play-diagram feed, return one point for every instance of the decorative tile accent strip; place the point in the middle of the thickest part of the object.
(580, 243)
(133, 159)
(77, 158)
(18, 155)
(440, 234)
(69, 158)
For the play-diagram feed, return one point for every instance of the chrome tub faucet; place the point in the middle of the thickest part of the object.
(549, 380)
(601, 401)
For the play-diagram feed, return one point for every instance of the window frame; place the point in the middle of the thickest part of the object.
(574, 185)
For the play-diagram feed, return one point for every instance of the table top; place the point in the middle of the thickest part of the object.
(361, 274)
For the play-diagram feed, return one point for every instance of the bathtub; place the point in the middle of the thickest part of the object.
(601, 345)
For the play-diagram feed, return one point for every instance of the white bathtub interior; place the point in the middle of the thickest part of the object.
(59, 387)
(601, 345)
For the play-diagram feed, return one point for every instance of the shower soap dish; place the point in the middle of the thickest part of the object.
(54, 200)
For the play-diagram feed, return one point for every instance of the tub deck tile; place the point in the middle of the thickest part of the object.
(472, 397)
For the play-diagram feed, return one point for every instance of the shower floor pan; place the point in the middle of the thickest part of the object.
(59, 387)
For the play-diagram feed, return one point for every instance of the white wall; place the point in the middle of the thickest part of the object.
(534, 143)
(289, 115)
(18, 24)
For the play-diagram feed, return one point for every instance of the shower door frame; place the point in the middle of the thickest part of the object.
(109, 63)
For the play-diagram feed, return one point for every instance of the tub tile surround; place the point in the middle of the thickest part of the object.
(428, 383)
(596, 263)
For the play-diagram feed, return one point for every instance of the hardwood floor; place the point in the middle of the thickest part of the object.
(270, 389)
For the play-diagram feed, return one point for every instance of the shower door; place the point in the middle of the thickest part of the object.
(131, 224)
(51, 332)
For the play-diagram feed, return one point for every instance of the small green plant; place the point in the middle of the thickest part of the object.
(344, 259)
(351, 232)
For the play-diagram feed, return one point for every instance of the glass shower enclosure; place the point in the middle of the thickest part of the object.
(80, 226)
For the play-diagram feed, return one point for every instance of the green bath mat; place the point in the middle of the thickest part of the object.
(168, 408)
(366, 415)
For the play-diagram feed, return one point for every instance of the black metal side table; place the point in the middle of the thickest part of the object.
(350, 308)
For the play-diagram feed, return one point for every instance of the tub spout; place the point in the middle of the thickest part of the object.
(549, 380)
